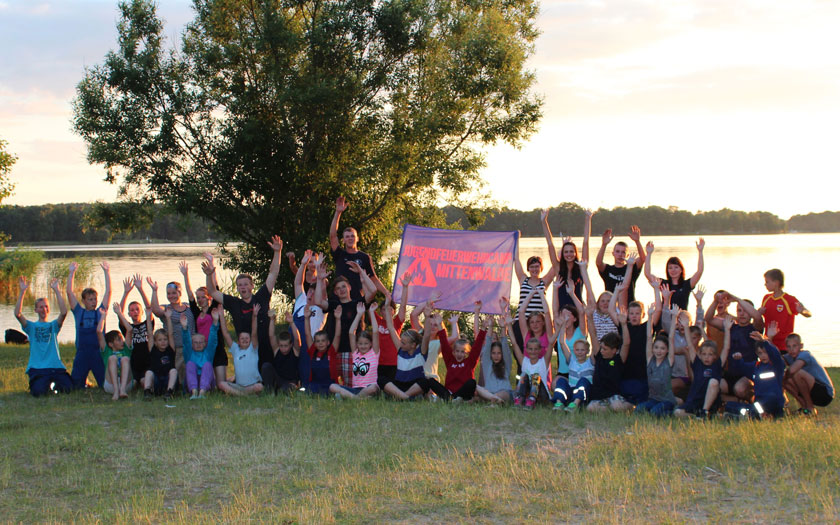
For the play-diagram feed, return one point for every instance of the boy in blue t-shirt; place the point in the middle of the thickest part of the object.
(805, 378)
(88, 317)
(45, 369)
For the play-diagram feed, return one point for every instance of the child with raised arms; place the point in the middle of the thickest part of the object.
(140, 336)
(387, 351)
(496, 358)
(201, 304)
(198, 355)
(88, 316)
(410, 379)
(365, 353)
(573, 392)
(768, 378)
(45, 370)
(535, 377)
(805, 378)
(577, 327)
(706, 369)
(246, 358)
(634, 375)
(324, 367)
(660, 358)
(160, 377)
(282, 374)
(609, 364)
(116, 356)
(432, 345)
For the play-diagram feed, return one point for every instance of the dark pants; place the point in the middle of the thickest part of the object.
(634, 390)
(46, 380)
(274, 382)
(87, 360)
(404, 385)
(466, 392)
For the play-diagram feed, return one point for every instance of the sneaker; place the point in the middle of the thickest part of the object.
(457, 399)
(168, 394)
(194, 397)
(434, 398)
(517, 402)
(703, 414)
(529, 403)
(147, 395)
(807, 413)
(338, 396)
(571, 407)
(559, 405)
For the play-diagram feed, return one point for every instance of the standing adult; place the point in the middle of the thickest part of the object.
(566, 262)
(675, 275)
(342, 257)
(242, 308)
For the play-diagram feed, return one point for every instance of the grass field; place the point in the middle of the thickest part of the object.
(82, 457)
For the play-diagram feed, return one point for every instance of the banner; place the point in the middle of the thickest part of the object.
(463, 266)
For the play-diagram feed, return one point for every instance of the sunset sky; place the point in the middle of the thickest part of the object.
(700, 105)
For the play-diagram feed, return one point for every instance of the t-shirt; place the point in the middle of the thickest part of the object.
(43, 344)
(563, 296)
(562, 365)
(782, 310)
(741, 342)
(603, 324)
(536, 304)
(814, 368)
(348, 314)
(245, 365)
(387, 350)
(316, 320)
(578, 370)
(341, 258)
(176, 323)
(430, 367)
(140, 343)
(286, 366)
(492, 382)
(681, 292)
(606, 380)
(702, 375)
(365, 368)
(659, 381)
(86, 323)
(613, 275)
(409, 366)
(529, 369)
(635, 367)
(459, 372)
(161, 362)
(108, 352)
(203, 322)
(241, 312)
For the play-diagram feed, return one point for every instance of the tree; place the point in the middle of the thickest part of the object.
(271, 109)
(7, 160)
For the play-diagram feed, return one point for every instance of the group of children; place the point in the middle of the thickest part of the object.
(611, 354)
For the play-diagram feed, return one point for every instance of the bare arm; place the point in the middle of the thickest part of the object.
(517, 263)
(255, 341)
(307, 328)
(374, 327)
(406, 282)
(225, 333)
(517, 352)
(340, 207)
(636, 236)
(649, 256)
(138, 283)
(129, 330)
(301, 272)
(156, 308)
(337, 336)
(185, 271)
(276, 245)
(128, 285)
(23, 285)
(699, 273)
(727, 327)
(605, 241)
(587, 231)
(209, 270)
(71, 296)
(360, 312)
(62, 306)
(625, 336)
(106, 297)
(552, 251)
(272, 328)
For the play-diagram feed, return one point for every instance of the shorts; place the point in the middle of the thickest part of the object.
(731, 379)
(508, 390)
(355, 391)
(422, 382)
(220, 358)
(387, 371)
(819, 395)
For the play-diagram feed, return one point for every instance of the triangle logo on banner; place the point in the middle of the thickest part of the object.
(423, 275)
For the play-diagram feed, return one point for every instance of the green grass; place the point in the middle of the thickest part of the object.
(82, 457)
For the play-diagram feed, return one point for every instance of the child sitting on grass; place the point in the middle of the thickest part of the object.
(245, 354)
(768, 377)
(706, 367)
(410, 378)
(116, 356)
(161, 376)
(572, 393)
(660, 358)
(805, 378)
(324, 367)
(365, 354)
(282, 373)
(45, 369)
(496, 358)
(609, 364)
(198, 355)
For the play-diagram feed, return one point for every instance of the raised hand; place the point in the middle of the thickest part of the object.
(649, 248)
(477, 306)
(700, 293)
(631, 259)
(622, 317)
(360, 308)
(588, 213)
(209, 257)
(257, 308)
(207, 268)
(758, 336)
(216, 314)
(73, 267)
(607, 236)
(665, 291)
(183, 320)
(22, 284)
(128, 284)
(354, 267)
(116, 308)
(183, 268)
(701, 244)
(544, 214)
(583, 263)
(152, 284)
(728, 322)
(105, 266)
(271, 313)
(167, 312)
(138, 281)
(290, 256)
(504, 304)
(407, 278)
(567, 239)
(341, 205)
(373, 307)
(276, 243)
(772, 329)
(307, 256)
(288, 318)
(453, 319)
(54, 284)
(635, 233)
(337, 312)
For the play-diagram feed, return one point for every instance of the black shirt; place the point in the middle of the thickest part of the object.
(606, 380)
(635, 367)
(286, 366)
(613, 275)
(341, 258)
(241, 313)
(160, 363)
(681, 293)
(348, 313)
(140, 350)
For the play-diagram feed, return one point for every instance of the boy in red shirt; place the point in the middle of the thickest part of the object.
(780, 307)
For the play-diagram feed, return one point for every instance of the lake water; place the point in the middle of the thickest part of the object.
(733, 262)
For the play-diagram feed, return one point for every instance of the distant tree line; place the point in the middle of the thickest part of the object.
(98, 223)
(85, 223)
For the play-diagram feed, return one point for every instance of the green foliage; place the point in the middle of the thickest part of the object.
(15, 264)
(59, 268)
(7, 160)
(827, 221)
(272, 109)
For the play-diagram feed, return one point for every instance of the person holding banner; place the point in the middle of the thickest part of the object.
(342, 257)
